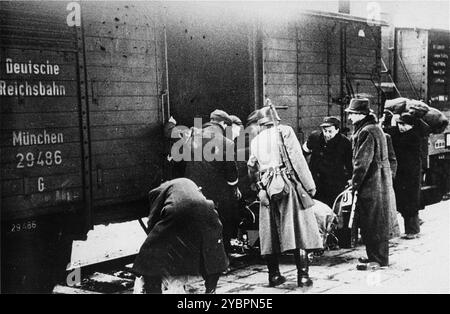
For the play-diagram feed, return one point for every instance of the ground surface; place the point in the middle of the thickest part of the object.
(417, 266)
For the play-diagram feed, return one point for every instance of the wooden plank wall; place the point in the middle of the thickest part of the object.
(302, 59)
(280, 69)
(319, 70)
(38, 32)
(124, 68)
(412, 47)
(363, 61)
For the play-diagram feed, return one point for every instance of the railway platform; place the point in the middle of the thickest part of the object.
(420, 265)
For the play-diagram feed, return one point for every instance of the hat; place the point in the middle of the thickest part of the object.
(266, 117)
(253, 117)
(407, 118)
(331, 121)
(220, 116)
(235, 120)
(359, 105)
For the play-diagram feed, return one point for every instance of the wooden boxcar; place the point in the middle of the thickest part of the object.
(94, 140)
(86, 87)
(421, 70)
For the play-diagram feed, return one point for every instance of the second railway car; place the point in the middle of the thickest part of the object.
(420, 69)
(85, 88)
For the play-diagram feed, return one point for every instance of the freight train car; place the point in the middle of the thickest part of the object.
(86, 88)
(420, 68)
(80, 123)
(315, 63)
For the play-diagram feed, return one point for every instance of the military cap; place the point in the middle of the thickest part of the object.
(235, 120)
(253, 117)
(331, 121)
(220, 116)
(267, 117)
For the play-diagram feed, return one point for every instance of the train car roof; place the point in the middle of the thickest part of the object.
(343, 16)
(424, 29)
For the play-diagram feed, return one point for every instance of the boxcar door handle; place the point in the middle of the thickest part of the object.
(99, 177)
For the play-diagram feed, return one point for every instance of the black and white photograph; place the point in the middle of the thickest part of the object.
(249, 150)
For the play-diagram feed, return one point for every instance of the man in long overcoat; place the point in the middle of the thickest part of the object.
(216, 170)
(185, 237)
(372, 179)
(287, 222)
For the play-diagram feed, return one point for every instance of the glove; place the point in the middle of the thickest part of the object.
(172, 120)
(237, 193)
(263, 198)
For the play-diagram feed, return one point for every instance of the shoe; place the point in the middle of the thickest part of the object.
(276, 280)
(303, 280)
(410, 236)
(210, 291)
(368, 266)
(363, 260)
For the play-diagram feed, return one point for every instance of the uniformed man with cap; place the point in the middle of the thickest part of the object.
(216, 173)
(331, 160)
(372, 180)
(286, 220)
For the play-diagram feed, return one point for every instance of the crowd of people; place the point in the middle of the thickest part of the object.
(194, 215)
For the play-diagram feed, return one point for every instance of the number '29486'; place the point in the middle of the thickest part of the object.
(39, 159)
(24, 226)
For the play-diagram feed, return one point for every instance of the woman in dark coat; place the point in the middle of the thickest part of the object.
(406, 139)
(185, 236)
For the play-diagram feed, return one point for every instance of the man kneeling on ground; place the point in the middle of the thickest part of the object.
(185, 237)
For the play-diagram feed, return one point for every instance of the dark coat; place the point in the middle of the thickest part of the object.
(216, 177)
(185, 235)
(330, 164)
(372, 179)
(407, 182)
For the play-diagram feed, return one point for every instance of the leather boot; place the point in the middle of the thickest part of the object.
(275, 278)
(302, 262)
(211, 283)
(152, 284)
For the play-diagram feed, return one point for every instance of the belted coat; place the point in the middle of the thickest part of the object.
(284, 224)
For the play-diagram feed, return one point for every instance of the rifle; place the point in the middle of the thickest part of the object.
(286, 161)
(284, 155)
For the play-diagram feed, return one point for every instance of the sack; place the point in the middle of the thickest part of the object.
(278, 185)
(396, 106)
(138, 287)
(325, 218)
(436, 120)
(417, 108)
